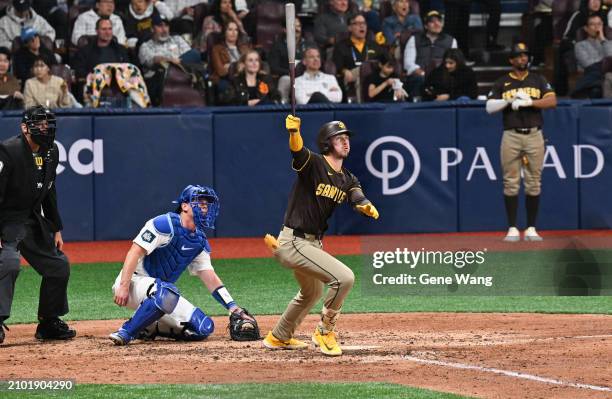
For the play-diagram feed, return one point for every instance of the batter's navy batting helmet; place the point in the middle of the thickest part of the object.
(33, 117)
(193, 195)
(329, 130)
(518, 49)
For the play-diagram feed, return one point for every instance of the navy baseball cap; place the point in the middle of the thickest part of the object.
(21, 5)
(159, 19)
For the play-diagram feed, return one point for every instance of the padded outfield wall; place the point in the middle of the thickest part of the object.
(427, 167)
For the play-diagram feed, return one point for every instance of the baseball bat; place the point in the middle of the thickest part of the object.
(290, 27)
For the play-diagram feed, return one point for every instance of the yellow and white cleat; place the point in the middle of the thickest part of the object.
(326, 342)
(271, 342)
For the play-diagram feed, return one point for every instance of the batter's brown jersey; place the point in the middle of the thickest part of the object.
(534, 85)
(317, 191)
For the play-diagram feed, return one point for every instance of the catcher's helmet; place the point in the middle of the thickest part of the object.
(329, 130)
(194, 195)
(518, 49)
(33, 118)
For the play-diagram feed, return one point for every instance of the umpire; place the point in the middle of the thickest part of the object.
(522, 95)
(30, 224)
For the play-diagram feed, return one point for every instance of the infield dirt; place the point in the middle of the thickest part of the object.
(568, 348)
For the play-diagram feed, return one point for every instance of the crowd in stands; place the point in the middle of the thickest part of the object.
(74, 53)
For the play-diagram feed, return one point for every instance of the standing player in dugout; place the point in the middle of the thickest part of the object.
(322, 184)
(522, 95)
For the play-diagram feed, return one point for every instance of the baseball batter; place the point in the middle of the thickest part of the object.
(164, 248)
(322, 184)
(522, 95)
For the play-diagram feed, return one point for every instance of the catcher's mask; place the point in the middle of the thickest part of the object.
(194, 196)
(327, 132)
(41, 124)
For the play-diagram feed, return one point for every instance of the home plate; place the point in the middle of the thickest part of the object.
(359, 347)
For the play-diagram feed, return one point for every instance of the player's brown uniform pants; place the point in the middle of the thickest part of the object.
(513, 147)
(312, 268)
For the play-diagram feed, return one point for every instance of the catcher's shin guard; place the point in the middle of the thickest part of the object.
(162, 301)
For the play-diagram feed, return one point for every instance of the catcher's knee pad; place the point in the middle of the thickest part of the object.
(166, 296)
(200, 324)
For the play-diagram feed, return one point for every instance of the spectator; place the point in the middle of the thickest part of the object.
(458, 22)
(252, 86)
(331, 22)
(227, 53)
(30, 50)
(383, 84)
(350, 53)
(45, 89)
(223, 12)
(315, 86)
(20, 15)
(184, 12)
(579, 18)
(103, 49)
(56, 13)
(452, 80)
(589, 54)
(279, 61)
(424, 52)
(10, 94)
(138, 21)
(85, 24)
(157, 53)
(370, 10)
(277, 57)
(566, 59)
(400, 21)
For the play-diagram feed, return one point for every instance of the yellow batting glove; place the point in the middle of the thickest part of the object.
(271, 242)
(292, 123)
(368, 210)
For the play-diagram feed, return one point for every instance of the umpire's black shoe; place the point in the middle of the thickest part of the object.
(2, 327)
(54, 328)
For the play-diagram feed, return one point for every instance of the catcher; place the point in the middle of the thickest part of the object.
(164, 248)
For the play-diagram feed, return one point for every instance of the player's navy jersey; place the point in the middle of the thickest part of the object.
(317, 191)
(534, 85)
(171, 248)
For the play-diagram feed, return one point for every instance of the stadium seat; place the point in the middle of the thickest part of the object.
(178, 90)
(65, 72)
(270, 21)
(606, 65)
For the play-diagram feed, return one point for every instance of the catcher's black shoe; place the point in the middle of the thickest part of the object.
(2, 327)
(54, 328)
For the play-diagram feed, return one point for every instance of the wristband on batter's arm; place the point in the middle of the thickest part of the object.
(222, 295)
(361, 203)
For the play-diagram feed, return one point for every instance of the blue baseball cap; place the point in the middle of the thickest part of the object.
(28, 33)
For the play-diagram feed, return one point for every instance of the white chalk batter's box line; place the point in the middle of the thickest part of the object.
(507, 373)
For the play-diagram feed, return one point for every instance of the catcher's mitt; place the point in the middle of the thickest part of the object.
(243, 326)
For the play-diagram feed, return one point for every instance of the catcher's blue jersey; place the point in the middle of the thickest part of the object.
(168, 261)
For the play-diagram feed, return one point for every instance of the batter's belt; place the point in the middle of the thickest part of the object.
(524, 130)
(301, 234)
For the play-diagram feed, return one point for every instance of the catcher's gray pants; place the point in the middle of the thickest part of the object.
(514, 146)
(312, 268)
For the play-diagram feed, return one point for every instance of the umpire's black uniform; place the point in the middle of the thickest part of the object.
(28, 220)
